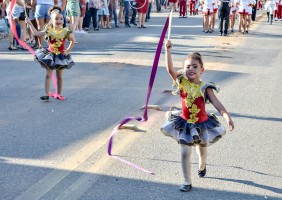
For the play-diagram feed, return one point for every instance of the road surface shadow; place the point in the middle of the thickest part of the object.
(250, 183)
(275, 119)
(89, 186)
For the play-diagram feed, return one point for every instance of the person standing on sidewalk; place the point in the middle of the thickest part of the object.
(224, 12)
(232, 20)
(73, 12)
(182, 8)
(270, 7)
(193, 126)
(142, 8)
(41, 15)
(93, 7)
(82, 5)
(207, 15)
(148, 15)
(215, 8)
(192, 7)
(127, 5)
(113, 11)
(277, 13)
(104, 14)
(243, 14)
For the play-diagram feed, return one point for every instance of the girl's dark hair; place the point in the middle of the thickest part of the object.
(197, 56)
(54, 8)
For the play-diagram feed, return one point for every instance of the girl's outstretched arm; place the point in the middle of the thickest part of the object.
(33, 30)
(71, 39)
(168, 61)
(218, 105)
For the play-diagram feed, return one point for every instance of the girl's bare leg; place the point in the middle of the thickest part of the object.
(102, 21)
(23, 30)
(244, 23)
(80, 23)
(186, 152)
(47, 81)
(74, 21)
(40, 26)
(108, 21)
(202, 154)
(139, 19)
(206, 22)
(143, 18)
(213, 21)
(71, 23)
(240, 22)
(59, 74)
(11, 38)
(210, 22)
(233, 20)
(248, 22)
(120, 14)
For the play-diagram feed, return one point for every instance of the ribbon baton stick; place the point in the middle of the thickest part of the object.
(169, 25)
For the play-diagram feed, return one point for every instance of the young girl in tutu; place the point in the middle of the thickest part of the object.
(193, 126)
(56, 57)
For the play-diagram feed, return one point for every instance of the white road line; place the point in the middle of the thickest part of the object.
(52, 179)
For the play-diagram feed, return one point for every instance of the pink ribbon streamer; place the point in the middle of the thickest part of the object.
(145, 115)
(13, 28)
(22, 43)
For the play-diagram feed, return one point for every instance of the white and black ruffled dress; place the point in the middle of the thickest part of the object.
(54, 58)
(193, 130)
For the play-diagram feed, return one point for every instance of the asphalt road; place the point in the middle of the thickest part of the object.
(58, 150)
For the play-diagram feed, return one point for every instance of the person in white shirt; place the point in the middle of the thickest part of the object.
(207, 14)
(215, 8)
(270, 7)
(249, 10)
(243, 14)
(232, 15)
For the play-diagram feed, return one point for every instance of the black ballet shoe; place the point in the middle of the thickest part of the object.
(143, 26)
(44, 98)
(185, 188)
(202, 173)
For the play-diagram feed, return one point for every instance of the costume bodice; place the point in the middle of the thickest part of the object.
(57, 39)
(193, 102)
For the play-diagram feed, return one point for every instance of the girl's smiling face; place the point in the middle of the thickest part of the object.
(193, 69)
(57, 20)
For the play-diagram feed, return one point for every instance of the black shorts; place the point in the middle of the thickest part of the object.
(22, 15)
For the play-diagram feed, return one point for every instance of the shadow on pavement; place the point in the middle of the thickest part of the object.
(275, 119)
(89, 186)
(250, 183)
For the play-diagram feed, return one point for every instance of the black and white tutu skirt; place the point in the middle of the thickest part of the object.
(49, 60)
(202, 133)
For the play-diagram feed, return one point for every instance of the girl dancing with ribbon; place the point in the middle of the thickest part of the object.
(193, 126)
(56, 57)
